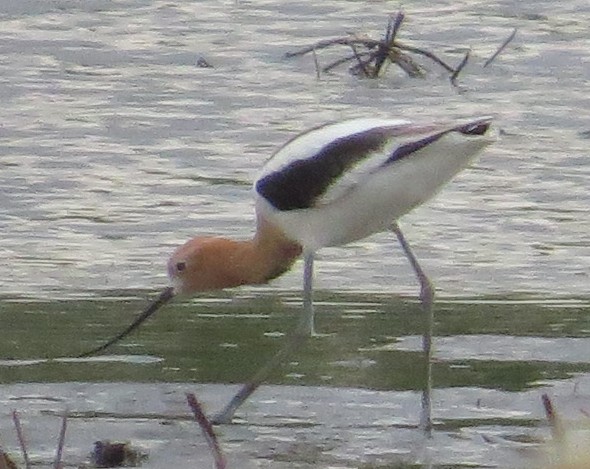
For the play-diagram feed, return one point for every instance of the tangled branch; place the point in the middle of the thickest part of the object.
(373, 55)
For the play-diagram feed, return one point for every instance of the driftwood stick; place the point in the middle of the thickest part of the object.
(501, 48)
(371, 55)
(386, 47)
(406, 63)
(344, 41)
(343, 60)
(369, 44)
(207, 429)
(21, 438)
(389, 31)
(425, 53)
(361, 65)
(395, 25)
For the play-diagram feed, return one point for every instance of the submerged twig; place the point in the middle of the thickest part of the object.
(371, 61)
(343, 60)
(425, 53)
(361, 65)
(501, 48)
(384, 49)
(459, 68)
(21, 438)
(207, 429)
(395, 25)
(406, 63)
(343, 41)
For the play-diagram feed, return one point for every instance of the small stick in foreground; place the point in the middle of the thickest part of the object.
(207, 429)
(21, 438)
(552, 417)
(61, 441)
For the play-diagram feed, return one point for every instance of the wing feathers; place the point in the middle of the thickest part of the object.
(302, 175)
(301, 182)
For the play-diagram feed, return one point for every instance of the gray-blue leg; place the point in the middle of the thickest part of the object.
(306, 326)
(294, 342)
(427, 300)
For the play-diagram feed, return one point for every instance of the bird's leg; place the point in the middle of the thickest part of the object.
(293, 343)
(427, 300)
(306, 326)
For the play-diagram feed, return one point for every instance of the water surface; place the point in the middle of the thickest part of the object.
(115, 147)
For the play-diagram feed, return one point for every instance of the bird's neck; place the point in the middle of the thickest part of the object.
(267, 256)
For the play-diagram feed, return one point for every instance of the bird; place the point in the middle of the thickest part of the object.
(330, 185)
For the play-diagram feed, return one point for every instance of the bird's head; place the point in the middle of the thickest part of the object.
(203, 264)
(206, 263)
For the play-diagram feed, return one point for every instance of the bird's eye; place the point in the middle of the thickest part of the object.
(180, 266)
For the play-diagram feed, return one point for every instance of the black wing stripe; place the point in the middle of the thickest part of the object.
(299, 184)
(302, 182)
(473, 128)
(411, 147)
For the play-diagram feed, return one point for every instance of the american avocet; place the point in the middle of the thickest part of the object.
(328, 186)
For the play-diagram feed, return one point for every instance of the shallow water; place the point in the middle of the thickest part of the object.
(350, 399)
(115, 147)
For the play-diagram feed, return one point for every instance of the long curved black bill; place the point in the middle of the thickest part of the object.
(164, 297)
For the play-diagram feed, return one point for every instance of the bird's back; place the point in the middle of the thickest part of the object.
(343, 181)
